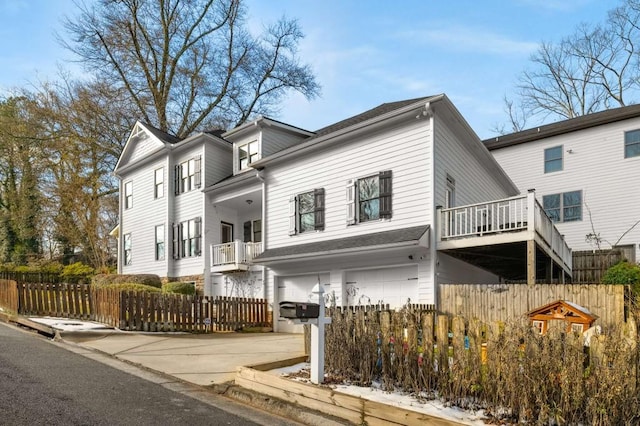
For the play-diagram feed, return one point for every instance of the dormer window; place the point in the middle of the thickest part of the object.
(247, 154)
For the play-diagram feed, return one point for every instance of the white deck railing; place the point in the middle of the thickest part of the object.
(236, 252)
(520, 213)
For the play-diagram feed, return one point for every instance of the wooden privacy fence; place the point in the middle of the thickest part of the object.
(501, 302)
(8, 296)
(590, 266)
(128, 310)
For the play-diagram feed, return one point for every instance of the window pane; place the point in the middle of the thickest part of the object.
(160, 234)
(368, 188)
(553, 159)
(632, 150)
(369, 210)
(253, 148)
(553, 153)
(159, 176)
(551, 201)
(572, 206)
(307, 222)
(306, 202)
(551, 205)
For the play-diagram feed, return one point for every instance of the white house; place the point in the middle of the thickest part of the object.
(379, 207)
(584, 171)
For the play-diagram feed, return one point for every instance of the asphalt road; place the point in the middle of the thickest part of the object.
(43, 383)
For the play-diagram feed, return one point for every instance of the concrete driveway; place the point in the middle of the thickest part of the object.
(202, 359)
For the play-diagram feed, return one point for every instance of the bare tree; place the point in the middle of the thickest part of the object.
(188, 65)
(595, 68)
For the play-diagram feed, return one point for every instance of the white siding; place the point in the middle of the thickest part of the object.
(455, 157)
(188, 205)
(140, 221)
(405, 150)
(143, 148)
(274, 140)
(596, 165)
(217, 163)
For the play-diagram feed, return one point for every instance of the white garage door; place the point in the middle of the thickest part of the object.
(297, 289)
(393, 286)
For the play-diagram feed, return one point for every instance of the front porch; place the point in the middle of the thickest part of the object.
(512, 238)
(234, 256)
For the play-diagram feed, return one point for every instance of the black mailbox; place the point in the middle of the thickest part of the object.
(293, 310)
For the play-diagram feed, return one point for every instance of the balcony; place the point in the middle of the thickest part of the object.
(233, 256)
(512, 237)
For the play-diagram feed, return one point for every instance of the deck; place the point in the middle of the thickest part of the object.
(512, 237)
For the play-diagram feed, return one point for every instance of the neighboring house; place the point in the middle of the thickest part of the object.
(380, 207)
(584, 171)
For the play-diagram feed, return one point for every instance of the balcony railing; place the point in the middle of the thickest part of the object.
(236, 254)
(520, 213)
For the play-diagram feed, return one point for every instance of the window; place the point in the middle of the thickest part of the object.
(553, 159)
(565, 207)
(306, 212)
(539, 326)
(247, 154)
(577, 328)
(187, 238)
(369, 198)
(160, 242)
(158, 191)
(128, 195)
(127, 249)
(188, 175)
(253, 231)
(632, 144)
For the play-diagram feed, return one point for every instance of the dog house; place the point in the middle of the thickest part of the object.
(577, 318)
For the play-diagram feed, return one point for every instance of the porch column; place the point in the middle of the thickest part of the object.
(531, 262)
(549, 270)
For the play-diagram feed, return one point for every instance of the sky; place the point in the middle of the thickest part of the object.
(363, 52)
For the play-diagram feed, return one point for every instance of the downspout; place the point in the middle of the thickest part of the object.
(260, 177)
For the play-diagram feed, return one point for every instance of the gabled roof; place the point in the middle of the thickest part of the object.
(562, 309)
(367, 115)
(377, 240)
(163, 136)
(563, 127)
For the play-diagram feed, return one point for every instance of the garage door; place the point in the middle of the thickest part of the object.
(298, 289)
(393, 286)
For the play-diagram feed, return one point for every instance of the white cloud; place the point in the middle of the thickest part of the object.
(476, 40)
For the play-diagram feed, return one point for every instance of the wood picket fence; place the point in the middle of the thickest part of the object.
(8, 296)
(129, 310)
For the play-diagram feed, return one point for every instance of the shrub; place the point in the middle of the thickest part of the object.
(179, 288)
(111, 279)
(623, 273)
(135, 287)
(77, 269)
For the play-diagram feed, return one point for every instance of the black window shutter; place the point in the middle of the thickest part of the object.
(176, 180)
(385, 194)
(318, 196)
(198, 236)
(247, 231)
(197, 177)
(176, 241)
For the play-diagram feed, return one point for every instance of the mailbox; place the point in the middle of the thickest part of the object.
(297, 310)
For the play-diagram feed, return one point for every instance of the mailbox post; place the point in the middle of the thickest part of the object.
(317, 338)
(312, 314)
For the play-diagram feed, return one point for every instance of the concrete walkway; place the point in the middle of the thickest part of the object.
(202, 359)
